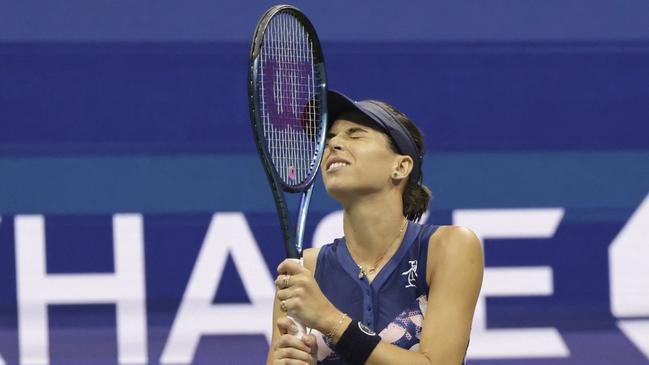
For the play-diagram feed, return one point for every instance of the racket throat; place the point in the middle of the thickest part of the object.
(301, 221)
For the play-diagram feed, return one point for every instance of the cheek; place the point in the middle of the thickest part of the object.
(378, 172)
(375, 167)
(380, 160)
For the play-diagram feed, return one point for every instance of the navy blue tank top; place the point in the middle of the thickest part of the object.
(393, 305)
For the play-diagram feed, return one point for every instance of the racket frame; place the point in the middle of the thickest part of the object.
(293, 235)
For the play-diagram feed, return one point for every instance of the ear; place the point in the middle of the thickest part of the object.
(402, 167)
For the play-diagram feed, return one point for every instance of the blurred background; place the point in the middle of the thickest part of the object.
(137, 227)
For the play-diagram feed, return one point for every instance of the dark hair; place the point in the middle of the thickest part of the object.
(416, 196)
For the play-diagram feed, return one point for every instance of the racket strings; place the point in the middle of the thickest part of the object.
(290, 102)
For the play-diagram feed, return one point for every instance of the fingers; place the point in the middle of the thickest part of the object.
(292, 356)
(289, 361)
(311, 342)
(292, 342)
(290, 267)
(286, 326)
(291, 349)
(285, 294)
(306, 354)
(288, 281)
(292, 306)
(284, 281)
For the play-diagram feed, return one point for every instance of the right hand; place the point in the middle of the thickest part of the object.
(291, 349)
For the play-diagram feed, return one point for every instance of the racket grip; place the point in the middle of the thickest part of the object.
(301, 329)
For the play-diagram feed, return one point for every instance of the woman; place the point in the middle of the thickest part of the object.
(391, 291)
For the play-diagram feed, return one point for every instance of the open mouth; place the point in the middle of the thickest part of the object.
(336, 164)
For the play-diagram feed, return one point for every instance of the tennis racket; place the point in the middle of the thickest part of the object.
(287, 92)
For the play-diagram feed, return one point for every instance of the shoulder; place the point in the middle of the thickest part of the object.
(451, 242)
(455, 236)
(454, 246)
(310, 258)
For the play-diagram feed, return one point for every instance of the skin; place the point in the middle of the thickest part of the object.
(368, 192)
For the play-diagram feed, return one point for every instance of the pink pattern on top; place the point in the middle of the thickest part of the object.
(404, 331)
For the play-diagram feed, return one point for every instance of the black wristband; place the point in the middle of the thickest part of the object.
(356, 343)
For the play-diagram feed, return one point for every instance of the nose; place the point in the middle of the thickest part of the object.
(334, 143)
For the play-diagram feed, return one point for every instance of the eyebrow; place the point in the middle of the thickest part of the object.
(348, 131)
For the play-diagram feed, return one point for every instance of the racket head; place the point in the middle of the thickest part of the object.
(287, 92)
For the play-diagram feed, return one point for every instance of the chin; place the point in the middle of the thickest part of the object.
(346, 192)
(338, 190)
(335, 189)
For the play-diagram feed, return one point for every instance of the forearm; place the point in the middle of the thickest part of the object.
(333, 324)
(389, 354)
(350, 348)
(384, 353)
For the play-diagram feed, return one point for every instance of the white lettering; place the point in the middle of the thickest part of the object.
(629, 272)
(513, 281)
(228, 233)
(37, 289)
(629, 277)
(638, 333)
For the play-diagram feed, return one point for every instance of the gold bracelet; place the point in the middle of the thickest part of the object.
(330, 334)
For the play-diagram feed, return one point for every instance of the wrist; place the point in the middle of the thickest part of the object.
(328, 320)
(356, 343)
(335, 326)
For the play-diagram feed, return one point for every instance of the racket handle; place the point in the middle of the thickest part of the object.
(301, 329)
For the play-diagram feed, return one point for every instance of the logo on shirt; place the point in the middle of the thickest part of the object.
(411, 274)
(366, 330)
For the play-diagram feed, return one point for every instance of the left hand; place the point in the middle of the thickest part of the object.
(291, 349)
(302, 298)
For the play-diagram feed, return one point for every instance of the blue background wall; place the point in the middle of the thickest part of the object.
(112, 107)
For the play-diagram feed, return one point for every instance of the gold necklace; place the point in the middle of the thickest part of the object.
(371, 269)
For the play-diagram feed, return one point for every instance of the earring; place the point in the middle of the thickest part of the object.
(395, 174)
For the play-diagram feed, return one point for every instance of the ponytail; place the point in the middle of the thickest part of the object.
(415, 201)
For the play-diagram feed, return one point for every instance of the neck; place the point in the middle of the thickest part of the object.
(371, 225)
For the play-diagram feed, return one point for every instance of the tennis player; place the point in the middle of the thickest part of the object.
(391, 291)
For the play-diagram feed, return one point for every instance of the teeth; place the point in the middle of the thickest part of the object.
(337, 164)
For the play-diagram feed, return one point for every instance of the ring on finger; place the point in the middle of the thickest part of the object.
(286, 279)
(282, 306)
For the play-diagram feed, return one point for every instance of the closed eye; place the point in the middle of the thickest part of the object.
(353, 132)
(356, 130)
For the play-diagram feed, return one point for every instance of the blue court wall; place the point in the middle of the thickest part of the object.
(135, 221)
